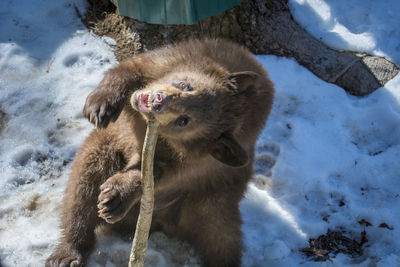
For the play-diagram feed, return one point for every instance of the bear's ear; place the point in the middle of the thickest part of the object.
(228, 151)
(242, 79)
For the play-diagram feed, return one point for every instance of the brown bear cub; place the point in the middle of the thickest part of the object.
(211, 98)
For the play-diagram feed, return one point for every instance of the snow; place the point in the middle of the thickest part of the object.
(337, 159)
(325, 160)
(365, 26)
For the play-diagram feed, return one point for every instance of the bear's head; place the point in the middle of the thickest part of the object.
(199, 112)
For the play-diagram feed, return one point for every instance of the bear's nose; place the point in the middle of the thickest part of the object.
(159, 101)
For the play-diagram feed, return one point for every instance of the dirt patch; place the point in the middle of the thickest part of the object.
(103, 21)
(33, 203)
(329, 245)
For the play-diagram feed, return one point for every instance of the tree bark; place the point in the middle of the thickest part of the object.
(265, 27)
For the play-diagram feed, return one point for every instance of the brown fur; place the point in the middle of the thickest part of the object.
(202, 169)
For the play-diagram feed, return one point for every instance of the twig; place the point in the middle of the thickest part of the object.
(49, 64)
(139, 243)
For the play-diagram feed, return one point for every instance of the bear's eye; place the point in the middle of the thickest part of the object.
(182, 121)
(184, 86)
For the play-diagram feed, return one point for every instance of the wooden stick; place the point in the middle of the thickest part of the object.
(139, 243)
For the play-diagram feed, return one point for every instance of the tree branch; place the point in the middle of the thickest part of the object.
(139, 243)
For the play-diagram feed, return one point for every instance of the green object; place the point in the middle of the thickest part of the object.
(172, 11)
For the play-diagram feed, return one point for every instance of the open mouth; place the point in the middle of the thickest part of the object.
(150, 102)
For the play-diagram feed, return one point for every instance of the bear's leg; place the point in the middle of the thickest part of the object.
(94, 163)
(212, 225)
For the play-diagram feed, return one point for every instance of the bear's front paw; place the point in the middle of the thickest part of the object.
(101, 108)
(117, 198)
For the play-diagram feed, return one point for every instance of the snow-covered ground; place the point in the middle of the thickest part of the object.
(336, 156)
(357, 25)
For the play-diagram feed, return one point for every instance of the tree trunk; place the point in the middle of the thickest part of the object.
(265, 27)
